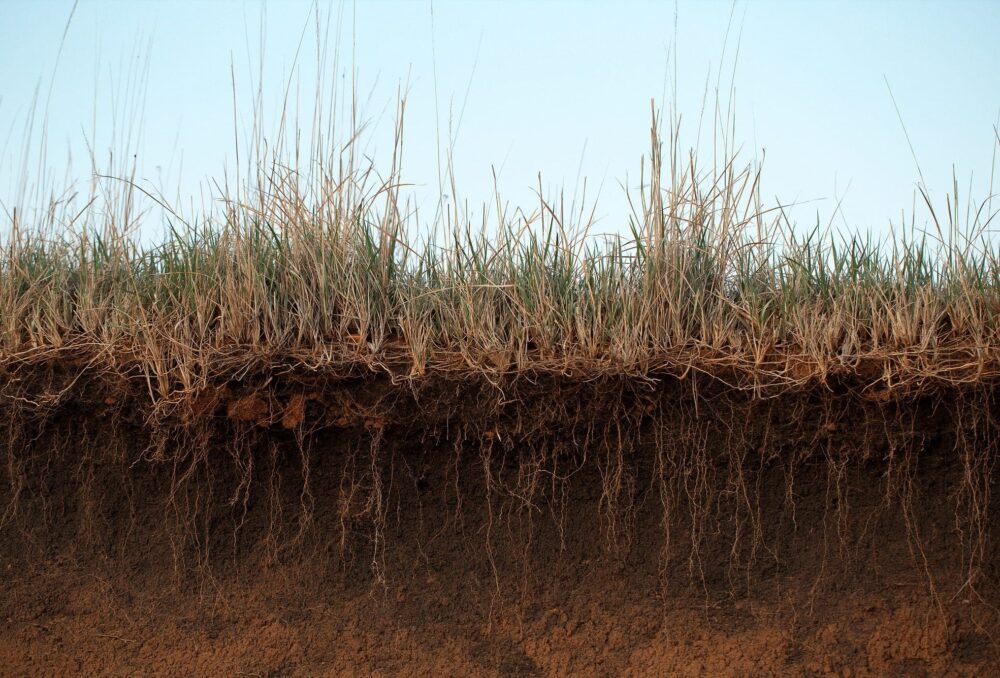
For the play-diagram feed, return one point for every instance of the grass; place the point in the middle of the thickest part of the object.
(326, 270)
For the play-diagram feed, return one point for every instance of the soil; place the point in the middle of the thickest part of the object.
(381, 546)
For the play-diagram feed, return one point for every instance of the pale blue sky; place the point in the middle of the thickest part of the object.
(556, 87)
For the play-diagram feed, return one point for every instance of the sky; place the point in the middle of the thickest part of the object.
(821, 93)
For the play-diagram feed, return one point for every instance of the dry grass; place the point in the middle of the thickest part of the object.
(326, 271)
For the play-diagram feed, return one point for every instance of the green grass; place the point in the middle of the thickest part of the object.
(328, 273)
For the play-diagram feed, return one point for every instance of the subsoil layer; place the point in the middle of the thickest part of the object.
(121, 562)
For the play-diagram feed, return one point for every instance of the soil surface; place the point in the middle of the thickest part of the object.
(105, 571)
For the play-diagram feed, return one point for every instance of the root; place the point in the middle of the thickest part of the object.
(723, 476)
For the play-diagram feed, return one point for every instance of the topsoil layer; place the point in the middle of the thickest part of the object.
(596, 529)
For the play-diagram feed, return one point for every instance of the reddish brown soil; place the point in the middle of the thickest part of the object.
(428, 625)
(100, 578)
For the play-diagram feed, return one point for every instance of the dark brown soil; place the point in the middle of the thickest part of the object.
(345, 530)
